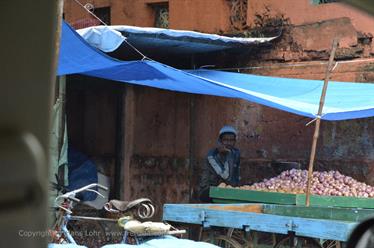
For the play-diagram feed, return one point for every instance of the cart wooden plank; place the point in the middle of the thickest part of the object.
(251, 196)
(217, 200)
(327, 213)
(337, 201)
(238, 195)
(213, 216)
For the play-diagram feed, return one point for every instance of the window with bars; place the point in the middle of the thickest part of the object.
(161, 15)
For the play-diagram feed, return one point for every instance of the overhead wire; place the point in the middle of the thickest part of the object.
(286, 65)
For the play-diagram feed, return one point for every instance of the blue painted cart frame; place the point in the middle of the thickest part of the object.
(211, 215)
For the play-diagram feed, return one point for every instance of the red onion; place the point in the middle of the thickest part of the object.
(323, 183)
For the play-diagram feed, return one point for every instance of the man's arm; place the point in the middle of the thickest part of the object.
(208, 178)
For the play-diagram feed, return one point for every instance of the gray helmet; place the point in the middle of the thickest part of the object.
(228, 129)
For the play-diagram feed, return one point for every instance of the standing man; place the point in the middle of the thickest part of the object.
(222, 163)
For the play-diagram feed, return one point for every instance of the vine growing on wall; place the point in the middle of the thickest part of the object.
(267, 24)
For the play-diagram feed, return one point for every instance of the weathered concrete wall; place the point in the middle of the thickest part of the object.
(162, 123)
(161, 143)
(159, 163)
(213, 15)
(266, 135)
(312, 42)
(74, 13)
(302, 12)
(160, 178)
(344, 145)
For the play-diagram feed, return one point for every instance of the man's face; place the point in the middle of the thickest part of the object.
(228, 140)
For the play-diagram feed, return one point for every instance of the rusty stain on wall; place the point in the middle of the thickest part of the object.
(162, 179)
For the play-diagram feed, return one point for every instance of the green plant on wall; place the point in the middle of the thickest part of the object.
(267, 24)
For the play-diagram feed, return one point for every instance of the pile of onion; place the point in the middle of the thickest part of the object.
(329, 183)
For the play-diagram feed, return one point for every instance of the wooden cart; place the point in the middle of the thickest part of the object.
(328, 218)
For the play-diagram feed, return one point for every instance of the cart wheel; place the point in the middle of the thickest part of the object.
(239, 236)
(223, 241)
(297, 242)
(331, 244)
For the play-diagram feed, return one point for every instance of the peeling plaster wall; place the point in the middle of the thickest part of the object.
(213, 15)
(162, 179)
(302, 12)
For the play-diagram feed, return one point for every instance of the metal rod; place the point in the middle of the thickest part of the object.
(77, 217)
(318, 122)
(161, 233)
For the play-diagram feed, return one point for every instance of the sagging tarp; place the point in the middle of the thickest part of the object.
(343, 101)
(169, 41)
(76, 56)
(299, 96)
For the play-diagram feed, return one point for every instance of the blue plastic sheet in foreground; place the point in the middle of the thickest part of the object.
(166, 242)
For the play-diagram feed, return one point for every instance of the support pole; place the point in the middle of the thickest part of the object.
(61, 126)
(192, 134)
(118, 191)
(128, 140)
(318, 121)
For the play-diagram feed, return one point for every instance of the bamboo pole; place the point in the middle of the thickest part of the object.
(318, 121)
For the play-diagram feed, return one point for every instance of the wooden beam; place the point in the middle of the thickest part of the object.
(326, 213)
(232, 195)
(251, 196)
(128, 139)
(253, 208)
(308, 227)
(192, 143)
(118, 191)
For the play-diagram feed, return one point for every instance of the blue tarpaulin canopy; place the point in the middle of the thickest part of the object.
(343, 100)
(299, 96)
(76, 56)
